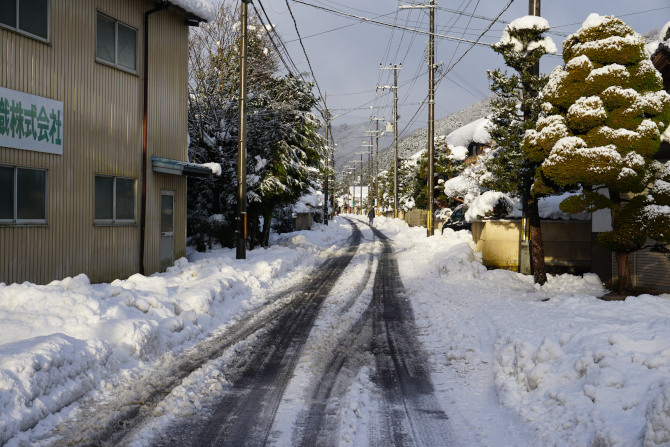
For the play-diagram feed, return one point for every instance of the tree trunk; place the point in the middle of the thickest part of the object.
(267, 221)
(253, 225)
(536, 244)
(625, 283)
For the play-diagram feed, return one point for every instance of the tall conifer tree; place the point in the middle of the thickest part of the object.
(516, 109)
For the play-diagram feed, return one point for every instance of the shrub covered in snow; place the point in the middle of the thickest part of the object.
(606, 112)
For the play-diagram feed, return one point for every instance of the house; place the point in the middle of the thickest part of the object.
(93, 137)
(469, 141)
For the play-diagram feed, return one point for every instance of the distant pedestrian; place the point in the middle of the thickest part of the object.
(371, 215)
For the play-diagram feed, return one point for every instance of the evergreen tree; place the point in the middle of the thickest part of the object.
(284, 150)
(516, 109)
(446, 167)
(607, 111)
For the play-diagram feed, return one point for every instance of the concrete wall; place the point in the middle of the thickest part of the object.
(567, 244)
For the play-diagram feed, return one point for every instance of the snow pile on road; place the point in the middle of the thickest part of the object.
(568, 368)
(61, 340)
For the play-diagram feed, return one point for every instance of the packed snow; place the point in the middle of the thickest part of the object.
(201, 8)
(476, 131)
(513, 363)
(527, 23)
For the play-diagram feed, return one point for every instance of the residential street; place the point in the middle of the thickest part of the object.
(344, 335)
(261, 406)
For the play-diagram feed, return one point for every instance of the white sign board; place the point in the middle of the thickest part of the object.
(30, 122)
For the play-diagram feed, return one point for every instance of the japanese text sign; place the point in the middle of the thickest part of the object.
(30, 122)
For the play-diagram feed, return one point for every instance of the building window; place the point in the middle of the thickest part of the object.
(114, 200)
(30, 17)
(24, 197)
(116, 43)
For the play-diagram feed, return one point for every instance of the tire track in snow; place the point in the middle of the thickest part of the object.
(107, 423)
(245, 415)
(413, 416)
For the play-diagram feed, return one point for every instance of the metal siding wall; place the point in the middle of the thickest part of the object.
(652, 269)
(102, 134)
(168, 80)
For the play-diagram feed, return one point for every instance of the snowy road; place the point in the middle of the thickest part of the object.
(294, 356)
(344, 337)
(381, 338)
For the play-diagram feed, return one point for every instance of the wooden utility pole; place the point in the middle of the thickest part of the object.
(377, 161)
(395, 69)
(325, 182)
(431, 121)
(430, 181)
(241, 252)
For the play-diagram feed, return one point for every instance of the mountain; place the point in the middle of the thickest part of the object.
(349, 137)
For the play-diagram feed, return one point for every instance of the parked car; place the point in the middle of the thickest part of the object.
(457, 220)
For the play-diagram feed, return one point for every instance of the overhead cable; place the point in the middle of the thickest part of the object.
(377, 22)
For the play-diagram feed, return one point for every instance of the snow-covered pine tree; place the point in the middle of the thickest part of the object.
(515, 110)
(283, 147)
(606, 111)
(446, 167)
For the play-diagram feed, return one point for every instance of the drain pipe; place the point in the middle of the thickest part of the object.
(143, 199)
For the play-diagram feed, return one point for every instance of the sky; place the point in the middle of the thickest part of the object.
(345, 53)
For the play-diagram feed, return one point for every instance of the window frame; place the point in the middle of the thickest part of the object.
(114, 221)
(116, 64)
(18, 30)
(15, 202)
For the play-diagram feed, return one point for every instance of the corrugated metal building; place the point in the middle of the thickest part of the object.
(77, 133)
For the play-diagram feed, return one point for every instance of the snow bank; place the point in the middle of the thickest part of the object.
(312, 201)
(570, 368)
(62, 340)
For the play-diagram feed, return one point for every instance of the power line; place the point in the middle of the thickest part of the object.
(279, 53)
(377, 22)
(305, 52)
(471, 46)
(336, 29)
(618, 15)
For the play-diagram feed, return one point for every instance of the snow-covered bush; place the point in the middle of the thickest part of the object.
(606, 112)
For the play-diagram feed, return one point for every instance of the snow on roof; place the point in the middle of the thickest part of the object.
(475, 131)
(662, 38)
(203, 9)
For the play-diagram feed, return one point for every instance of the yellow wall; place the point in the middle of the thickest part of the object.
(565, 242)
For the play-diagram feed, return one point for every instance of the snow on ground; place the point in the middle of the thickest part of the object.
(512, 363)
(551, 365)
(62, 340)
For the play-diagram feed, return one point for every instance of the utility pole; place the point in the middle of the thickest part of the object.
(395, 69)
(354, 186)
(325, 182)
(431, 121)
(525, 255)
(369, 146)
(377, 161)
(241, 249)
(361, 154)
(430, 181)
